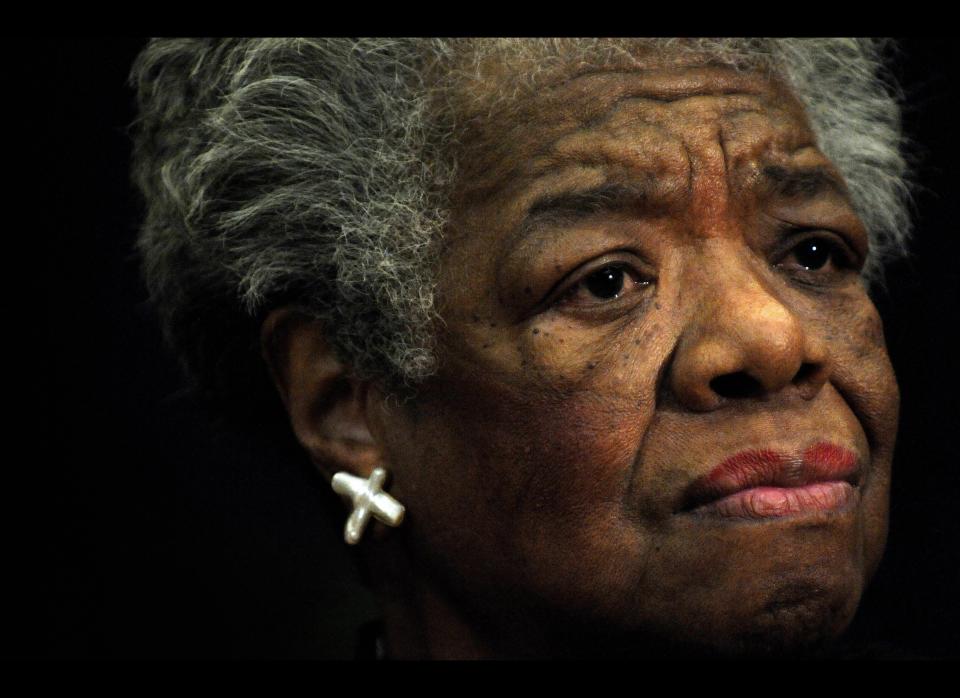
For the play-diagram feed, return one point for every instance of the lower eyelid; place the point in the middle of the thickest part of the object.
(632, 283)
(625, 260)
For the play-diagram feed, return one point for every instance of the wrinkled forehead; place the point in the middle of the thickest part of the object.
(650, 118)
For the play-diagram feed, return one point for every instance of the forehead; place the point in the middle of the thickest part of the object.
(661, 124)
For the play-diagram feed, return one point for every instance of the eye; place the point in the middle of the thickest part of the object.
(607, 283)
(603, 286)
(819, 254)
(813, 254)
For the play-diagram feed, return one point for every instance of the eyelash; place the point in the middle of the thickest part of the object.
(839, 259)
(631, 281)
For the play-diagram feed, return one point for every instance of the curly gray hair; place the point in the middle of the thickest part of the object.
(314, 173)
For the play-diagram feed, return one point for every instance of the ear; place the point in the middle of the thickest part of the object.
(327, 406)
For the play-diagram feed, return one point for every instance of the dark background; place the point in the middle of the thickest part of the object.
(138, 526)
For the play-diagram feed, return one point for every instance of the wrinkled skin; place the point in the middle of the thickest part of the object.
(545, 468)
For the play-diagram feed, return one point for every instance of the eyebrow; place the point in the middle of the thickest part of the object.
(802, 183)
(568, 208)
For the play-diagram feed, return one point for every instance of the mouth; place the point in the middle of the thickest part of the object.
(765, 484)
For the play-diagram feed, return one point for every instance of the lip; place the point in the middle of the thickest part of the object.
(764, 483)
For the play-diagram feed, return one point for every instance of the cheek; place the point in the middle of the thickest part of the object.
(520, 480)
(615, 358)
(588, 427)
(864, 377)
(579, 465)
(860, 368)
(863, 374)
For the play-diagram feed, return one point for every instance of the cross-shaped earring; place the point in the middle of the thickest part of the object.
(368, 498)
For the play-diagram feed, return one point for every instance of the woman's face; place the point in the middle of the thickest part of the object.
(665, 408)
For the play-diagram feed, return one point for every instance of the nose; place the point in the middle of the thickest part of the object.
(744, 342)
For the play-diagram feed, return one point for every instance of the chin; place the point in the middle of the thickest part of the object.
(793, 624)
(788, 589)
(796, 622)
(797, 615)
(800, 614)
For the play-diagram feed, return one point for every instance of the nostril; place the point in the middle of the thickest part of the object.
(806, 372)
(736, 385)
(809, 379)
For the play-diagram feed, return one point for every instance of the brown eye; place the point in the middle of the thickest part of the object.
(607, 283)
(821, 258)
(604, 288)
(814, 253)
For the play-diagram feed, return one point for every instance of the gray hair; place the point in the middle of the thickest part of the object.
(314, 173)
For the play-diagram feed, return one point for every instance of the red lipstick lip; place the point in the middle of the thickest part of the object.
(773, 470)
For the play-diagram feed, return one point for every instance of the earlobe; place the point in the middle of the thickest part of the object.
(327, 406)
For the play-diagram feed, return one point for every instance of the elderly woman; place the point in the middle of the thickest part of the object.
(579, 330)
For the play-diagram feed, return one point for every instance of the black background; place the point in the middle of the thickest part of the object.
(138, 526)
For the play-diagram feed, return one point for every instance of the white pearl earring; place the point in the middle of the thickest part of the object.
(368, 498)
